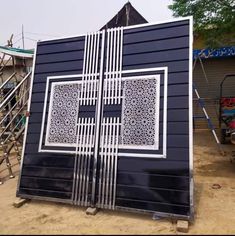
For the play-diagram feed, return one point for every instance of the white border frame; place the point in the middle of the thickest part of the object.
(145, 155)
(191, 188)
(164, 145)
(49, 78)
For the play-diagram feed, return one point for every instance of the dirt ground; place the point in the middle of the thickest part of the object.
(215, 208)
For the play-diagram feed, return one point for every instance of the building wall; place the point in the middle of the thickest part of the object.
(215, 70)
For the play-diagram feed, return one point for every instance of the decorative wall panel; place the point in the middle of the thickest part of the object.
(110, 121)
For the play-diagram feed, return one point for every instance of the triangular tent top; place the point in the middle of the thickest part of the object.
(128, 15)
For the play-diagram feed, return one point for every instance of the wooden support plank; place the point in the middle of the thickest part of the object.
(20, 202)
(91, 211)
(182, 226)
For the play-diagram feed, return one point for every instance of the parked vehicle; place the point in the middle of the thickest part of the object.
(227, 112)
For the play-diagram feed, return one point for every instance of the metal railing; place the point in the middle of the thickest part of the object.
(13, 108)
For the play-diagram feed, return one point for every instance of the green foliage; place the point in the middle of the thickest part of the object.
(214, 20)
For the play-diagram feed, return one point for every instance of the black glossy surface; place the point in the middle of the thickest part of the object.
(49, 174)
(160, 184)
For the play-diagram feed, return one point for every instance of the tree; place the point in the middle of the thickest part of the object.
(214, 20)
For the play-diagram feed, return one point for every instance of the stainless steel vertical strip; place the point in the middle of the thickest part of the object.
(115, 165)
(91, 61)
(85, 146)
(120, 66)
(92, 100)
(82, 162)
(105, 161)
(112, 161)
(86, 70)
(89, 160)
(109, 150)
(117, 66)
(86, 154)
(98, 119)
(114, 64)
(101, 161)
(84, 65)
(110, 67)
(76, 150)
(79, 154)
(76, 160)
(107, 69)
(96, 67)
(79, 146)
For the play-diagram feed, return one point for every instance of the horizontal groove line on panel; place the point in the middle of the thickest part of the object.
(175, 134)
(141, 172)
(63, 41)
(174, 84)
(44, 190)
(153, 188)
(45, 178)
(155, 40)
(153, 51)
(57, 71)
(156, 175)
(181, 60)
(140, 29)
(54, 62)
(177, 121)
(176, 108)
(176, 72)
(49, 167)
(63, 51)
(60, 52)
(171, 96)
(163, 203)
(46, 74)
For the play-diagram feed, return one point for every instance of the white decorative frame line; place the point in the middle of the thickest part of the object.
(145, 155)
(49, 79)
(164, 145)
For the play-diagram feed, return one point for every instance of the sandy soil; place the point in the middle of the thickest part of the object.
(215, 208)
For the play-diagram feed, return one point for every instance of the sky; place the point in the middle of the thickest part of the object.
(46, 19)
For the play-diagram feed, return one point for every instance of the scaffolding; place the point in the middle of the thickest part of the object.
(15, 76)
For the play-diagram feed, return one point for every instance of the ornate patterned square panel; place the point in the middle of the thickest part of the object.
(140, 112)
(63, 114)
